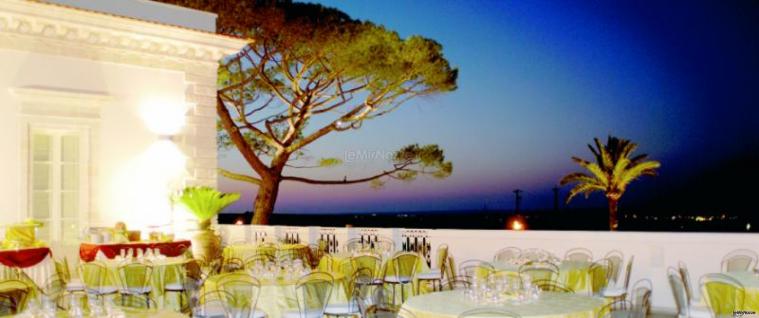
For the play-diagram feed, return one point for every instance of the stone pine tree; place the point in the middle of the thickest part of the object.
(308, 72)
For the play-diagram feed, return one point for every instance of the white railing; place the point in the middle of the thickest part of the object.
(654, 251)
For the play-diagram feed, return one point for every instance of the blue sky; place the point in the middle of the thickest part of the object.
(538, 80)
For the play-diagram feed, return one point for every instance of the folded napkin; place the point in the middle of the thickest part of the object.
(100, 256)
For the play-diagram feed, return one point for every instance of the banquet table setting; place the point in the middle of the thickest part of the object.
(35, 262)
(575, 275)
(402, 280)
(165, 271)
(89, 251)
(278, 288)
(750, 282)
(547, 305)
(244, 251)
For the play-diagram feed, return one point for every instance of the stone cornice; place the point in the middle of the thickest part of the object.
(53, 101)
(28, 25)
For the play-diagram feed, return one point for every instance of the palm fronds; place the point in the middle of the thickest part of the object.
(613, 169)
(205, 202)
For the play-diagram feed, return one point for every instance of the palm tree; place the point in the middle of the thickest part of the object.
(613, 170)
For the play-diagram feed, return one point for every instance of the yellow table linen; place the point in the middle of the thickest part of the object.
(164, 271)
(449, 304)
(750, 282)
(572, 274)
(135, 313)
(278, 296)
(243, 252)
(341, 265)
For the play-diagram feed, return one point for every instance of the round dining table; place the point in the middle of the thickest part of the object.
(245, 251)
(340, 264)
(165, 270)
(278, 295)
(575, 275)
(125, 312)
(450, 304)
(750, 282)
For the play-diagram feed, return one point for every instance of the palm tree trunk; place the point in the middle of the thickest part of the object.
(265, 200)
(613, 223)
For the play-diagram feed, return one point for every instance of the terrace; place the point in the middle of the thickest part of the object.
(118, 123)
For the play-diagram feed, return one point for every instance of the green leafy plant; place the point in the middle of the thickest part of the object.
(613, 170)
(205, 202)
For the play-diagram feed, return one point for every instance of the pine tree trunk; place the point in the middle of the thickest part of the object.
(613, 223)
(265, 200)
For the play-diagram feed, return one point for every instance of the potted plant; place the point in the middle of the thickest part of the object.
(205, 203)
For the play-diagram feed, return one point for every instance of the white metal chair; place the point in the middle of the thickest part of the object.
(506, 255)
(404, 266)
(684, 309)
(312, 294)
(135, 281)
(209, 305)
(618, 290)
(690, 292)
(13, 296)
(538, 255)
(360, 283)
(240, 297)
(539, 274)
(472, 269)
(93, 276)
(616, 258)
(619, 309)
(579, 254)
(739, 260)
(435, 275)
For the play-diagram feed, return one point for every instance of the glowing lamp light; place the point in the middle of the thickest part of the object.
(163, 117)
(516, 225)
(238, 222)
(164, 160)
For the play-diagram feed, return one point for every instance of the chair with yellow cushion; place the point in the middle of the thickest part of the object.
(93, 276)
(405, 266)
(539, 273)
(358, 287)
(312, 293)
(435, 275)
(13, 296)
(135, 278)
(615, 258)
(240, 295)
(616, 288)
(474, 269)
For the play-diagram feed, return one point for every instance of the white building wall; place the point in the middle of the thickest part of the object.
(122, 187)
(109, 76)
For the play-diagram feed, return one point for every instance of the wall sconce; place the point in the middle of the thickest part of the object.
(164, 117)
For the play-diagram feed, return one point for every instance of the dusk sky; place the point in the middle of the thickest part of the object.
(538, 80)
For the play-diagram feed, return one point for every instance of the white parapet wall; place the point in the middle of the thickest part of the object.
(654, 251)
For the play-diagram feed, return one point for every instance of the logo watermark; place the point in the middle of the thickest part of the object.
(353, 156)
